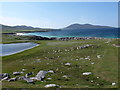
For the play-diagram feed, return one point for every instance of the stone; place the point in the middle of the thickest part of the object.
(33, 78)
(98, 84)
(4, 76)
(21, 77)
(23, 69)
(65, 76)
(113, 83)
(77, 59)
(49, 78)
(12, 79)
(16, 73)
(41, 75)
(91, 81)
(27, 79)
(50, 71)
(28, 74)
(86, 73)
(51, 85)
(67, 64)
(98, 56)
(92, 63)
(97, 77)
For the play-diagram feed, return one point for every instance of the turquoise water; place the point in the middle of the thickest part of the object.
(104, 33)
(9, 49)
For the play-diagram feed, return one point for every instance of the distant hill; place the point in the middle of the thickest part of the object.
(85, 26)
(22, 27)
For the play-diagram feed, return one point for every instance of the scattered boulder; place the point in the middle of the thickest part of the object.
(17, 73)
(27, 79)
(28, 74)
(41, 75)
(22, 77)
(116, 45)
(86, 73)
(23, 69)
(51, 85)
(4, 76)
(85, 46)
(113, 84)
(49, 78)
(98, 84)
(65, 76)
(91, 81)
(50, 71)
(98, 77)
(67, 64)
(12, 79)
(33, 78)
(98, 56)
(92, 63)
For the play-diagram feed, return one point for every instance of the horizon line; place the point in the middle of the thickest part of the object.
(59, 28)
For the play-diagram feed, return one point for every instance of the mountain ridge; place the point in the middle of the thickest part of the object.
(70, 27)
(85, 26)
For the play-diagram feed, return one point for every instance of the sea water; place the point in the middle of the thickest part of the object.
(104, 33)
(9, 49)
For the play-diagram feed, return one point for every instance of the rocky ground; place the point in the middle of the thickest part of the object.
(84, 63)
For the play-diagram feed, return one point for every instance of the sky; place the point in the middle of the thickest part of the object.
(59, 14)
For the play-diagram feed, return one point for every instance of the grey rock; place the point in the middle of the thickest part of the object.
(41, 75)
(12, 79)
(16, 73)
(51, 85)
(50, 71)
(27, 79)
(30, 73)
(4, 76)
(67, 64)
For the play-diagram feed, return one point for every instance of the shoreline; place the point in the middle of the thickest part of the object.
(65, 38)
(56, 38)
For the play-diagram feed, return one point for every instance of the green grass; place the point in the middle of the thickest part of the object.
(106, 67)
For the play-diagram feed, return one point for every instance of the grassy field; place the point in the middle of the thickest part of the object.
(53, 55)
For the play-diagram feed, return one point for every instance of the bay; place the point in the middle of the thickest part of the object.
(9, 49)
(103, 33)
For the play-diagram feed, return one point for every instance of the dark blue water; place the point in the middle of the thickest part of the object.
(9, 49)
(104, 33)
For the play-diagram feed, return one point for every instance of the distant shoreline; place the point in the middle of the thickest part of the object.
(56, 38)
